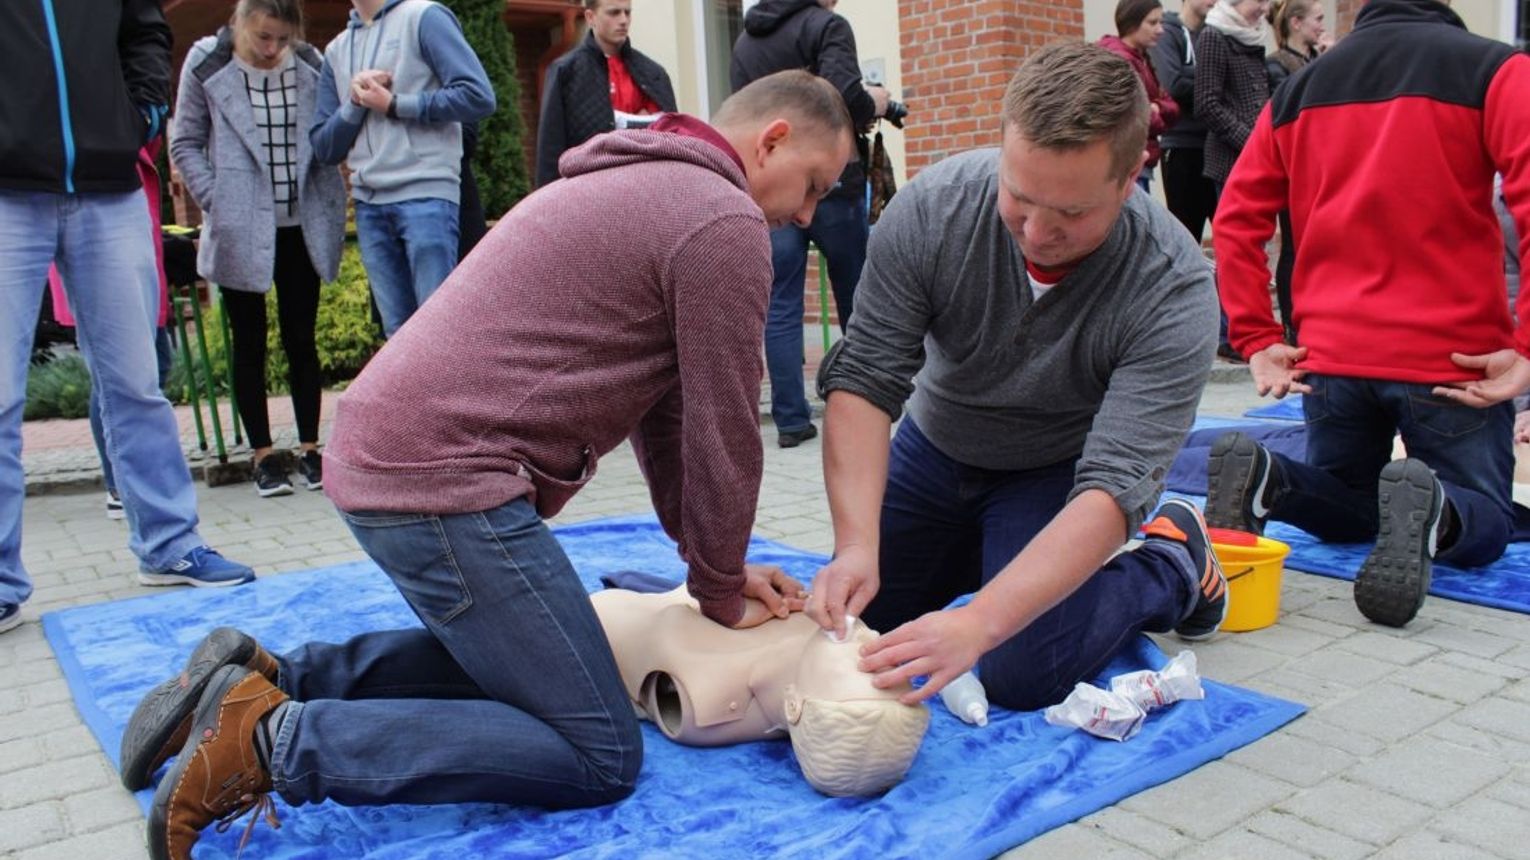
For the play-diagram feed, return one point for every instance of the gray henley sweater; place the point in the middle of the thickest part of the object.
(1107, 367)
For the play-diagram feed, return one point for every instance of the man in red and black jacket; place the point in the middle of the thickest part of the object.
(1384, 151)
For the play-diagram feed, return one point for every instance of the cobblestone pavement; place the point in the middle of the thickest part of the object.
(1417, 743)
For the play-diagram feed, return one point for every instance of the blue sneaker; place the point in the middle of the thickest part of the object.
(10, 616)
(202, 567)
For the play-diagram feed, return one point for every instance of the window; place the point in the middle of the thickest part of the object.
(722, 22)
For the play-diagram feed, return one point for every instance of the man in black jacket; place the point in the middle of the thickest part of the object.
(87, 86)
(1191, 197)
(806, 34)
(589, 85)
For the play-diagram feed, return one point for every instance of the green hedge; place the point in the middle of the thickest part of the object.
(347, 338)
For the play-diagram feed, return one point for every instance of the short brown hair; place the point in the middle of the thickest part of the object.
(1070, 94)
(799, 93)
(1129, 15)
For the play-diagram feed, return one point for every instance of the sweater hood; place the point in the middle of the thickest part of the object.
(355, 21)
(621, 148)
(767, 15)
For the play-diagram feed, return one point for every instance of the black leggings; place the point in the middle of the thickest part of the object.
(297, 307)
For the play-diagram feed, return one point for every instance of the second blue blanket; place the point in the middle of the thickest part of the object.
(970, 793)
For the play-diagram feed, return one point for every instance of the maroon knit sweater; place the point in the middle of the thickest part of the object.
(626, 299)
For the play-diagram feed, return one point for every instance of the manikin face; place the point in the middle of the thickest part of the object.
(262, 40)
(609, 22)
(1059, 205)
(1252, 10)
(1147, 33)
(790, 171)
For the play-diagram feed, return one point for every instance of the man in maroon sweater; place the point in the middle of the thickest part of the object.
(562, 334)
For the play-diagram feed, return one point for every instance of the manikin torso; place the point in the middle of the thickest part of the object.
(703, 684)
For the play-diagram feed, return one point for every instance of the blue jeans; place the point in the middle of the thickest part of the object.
(102, 247)
(840, 228)
(949, 528)
(509, 695)
(408, 249)
(1350, 424)
(164, 355)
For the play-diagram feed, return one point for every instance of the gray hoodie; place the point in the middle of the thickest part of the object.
(415, 151)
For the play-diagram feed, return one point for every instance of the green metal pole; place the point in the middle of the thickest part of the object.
(212, 394)
(191, 371)
(228, 350)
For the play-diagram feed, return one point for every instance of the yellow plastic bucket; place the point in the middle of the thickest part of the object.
(1252, 565)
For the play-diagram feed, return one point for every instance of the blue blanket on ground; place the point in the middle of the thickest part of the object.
(1288, 408)
(970, 793)
(1504, 584)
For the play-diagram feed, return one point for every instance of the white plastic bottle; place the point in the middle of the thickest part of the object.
(965, 698)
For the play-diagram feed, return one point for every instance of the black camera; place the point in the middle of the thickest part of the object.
(895, 114)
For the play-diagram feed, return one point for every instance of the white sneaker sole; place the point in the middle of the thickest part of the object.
(157, 579)
(269, 492)
(11, 623)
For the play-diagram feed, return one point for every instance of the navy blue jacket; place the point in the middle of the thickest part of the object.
(81, 76)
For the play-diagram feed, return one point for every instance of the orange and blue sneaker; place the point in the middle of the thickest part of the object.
(1177, 520)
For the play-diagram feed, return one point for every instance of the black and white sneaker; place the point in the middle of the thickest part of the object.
(1392, 582)
(114, 509)
(311, 466)
(10, 616)
(1239, 474)
(271, 479)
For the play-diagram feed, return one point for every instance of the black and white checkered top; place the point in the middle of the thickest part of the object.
(273, 97)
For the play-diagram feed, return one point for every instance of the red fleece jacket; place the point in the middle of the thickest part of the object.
(625, 299)
(1384, 151)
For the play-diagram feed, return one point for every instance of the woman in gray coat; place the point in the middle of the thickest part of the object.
(272, 213)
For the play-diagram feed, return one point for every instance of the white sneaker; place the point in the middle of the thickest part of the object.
(114, 509)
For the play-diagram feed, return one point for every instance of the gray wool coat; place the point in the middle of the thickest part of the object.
(217, 149)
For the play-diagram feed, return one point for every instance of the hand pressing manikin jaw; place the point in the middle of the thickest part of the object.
(703, 684)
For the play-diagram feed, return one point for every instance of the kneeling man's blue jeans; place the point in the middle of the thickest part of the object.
(949, 528)
(1350, 424)
(509, 695)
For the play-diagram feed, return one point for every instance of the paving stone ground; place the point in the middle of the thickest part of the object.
(1417, 744)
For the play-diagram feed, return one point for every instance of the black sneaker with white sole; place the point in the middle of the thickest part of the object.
(114, 509)
(310, 465)
(1392, 582)
(1239, 474)
(271, 479)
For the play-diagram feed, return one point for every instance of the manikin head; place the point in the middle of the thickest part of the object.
(264, 30)
(794, 134)
(609, 21)
(1075, 136)
(703, 684)
(851, 739)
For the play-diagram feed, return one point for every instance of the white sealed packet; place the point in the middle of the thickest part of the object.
(1150, 690)
(1099, 712)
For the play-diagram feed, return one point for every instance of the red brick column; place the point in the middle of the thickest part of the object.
(958, 55)
(1345, 12)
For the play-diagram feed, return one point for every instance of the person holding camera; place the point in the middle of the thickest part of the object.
(807, 34)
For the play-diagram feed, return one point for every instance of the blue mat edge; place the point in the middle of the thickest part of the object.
(1276, 713)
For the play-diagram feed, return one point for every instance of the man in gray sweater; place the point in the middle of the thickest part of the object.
(1051, 330)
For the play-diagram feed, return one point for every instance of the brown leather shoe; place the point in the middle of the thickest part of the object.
(162, 720)
(217, 776)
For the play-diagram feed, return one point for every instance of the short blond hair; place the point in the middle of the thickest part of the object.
(1070, 94)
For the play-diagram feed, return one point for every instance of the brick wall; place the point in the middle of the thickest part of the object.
(958, 55)
(1345, 12)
